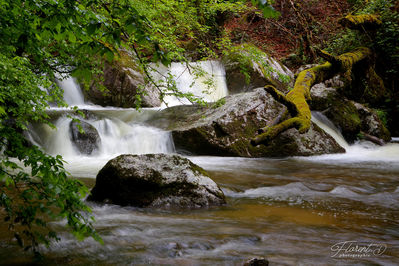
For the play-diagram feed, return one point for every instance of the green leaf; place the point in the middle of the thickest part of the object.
(71, 37)
(2, 111)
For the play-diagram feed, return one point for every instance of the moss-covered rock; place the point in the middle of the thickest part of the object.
(156, 180)
(371, 123)
(248, 68)
(227, 130)
(350, 117)
(125, 86)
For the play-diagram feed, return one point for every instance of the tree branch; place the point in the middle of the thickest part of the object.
(296, 100)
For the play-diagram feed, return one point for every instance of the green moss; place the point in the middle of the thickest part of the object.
(344, 114)
(125, 60)
(358, 21)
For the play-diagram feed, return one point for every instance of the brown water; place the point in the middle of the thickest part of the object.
(291, 211)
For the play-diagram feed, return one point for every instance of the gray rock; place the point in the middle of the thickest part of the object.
(226, 130)
(156, 180)
(337, 108)
(125, 86)
(371, 123)
(257, 262)
(350, 117)
(262, 70)
(87, 141)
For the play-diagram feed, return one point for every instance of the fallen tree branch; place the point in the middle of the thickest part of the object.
(371, 138)
(296, 100)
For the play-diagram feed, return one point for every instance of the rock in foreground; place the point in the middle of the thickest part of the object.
(226, 130)
(155, 180)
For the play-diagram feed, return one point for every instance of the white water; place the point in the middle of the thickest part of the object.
(124, 130)
(117, 137)
(288, 210)
(73, 95)
(206, 79)
(324, 123)
(360, 151)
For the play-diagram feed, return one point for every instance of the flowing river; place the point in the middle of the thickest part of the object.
(292, 211)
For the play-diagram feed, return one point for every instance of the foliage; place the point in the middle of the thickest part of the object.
(183, 31)
(347, 41)
(383, 116)
(38, 41)
(384, 41)
(44, 39)
(267, 8)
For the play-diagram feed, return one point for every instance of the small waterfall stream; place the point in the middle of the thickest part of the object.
(324, 123)
(72, 93)
(359, 151)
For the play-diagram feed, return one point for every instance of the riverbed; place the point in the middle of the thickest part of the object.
(290, 210)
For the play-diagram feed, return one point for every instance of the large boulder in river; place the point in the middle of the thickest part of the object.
(84, 136)
(155, 180)
(248, 68)
(125, 86)
(226, 128)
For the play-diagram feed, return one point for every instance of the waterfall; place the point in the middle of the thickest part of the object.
(360, 151)
(324, 123)
(116, 137)
(206, 79)
(124, 130)
(72, 93)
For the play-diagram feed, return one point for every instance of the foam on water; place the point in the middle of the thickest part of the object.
(298, 192)
(358, 152)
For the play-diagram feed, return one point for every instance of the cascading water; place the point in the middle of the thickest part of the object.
(116, 137)
(290, 210)
(72, 93)
(324, 123)
(206, 79)
(124, 130)
(360, 151)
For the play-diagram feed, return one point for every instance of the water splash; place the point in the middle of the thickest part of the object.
(117, 137)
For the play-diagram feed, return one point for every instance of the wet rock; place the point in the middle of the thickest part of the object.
(86, 141)
(371, 123)
(337, 108)
(155, 180)
(350, 117)
(226, 130)
(257, 262)
(125, 86)
(245, 71)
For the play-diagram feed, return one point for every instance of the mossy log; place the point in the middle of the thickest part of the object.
(296, 99)
(365, 21)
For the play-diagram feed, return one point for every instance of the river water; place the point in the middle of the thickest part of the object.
(292, 211)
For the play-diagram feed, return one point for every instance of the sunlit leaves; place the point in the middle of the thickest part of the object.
(267, 8)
